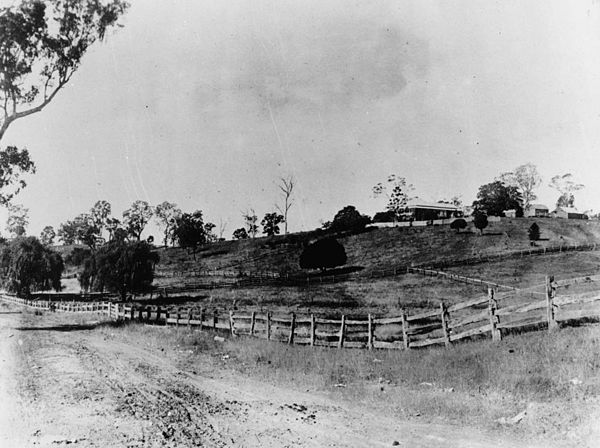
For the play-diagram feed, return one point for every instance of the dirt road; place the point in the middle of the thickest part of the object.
(64, 384)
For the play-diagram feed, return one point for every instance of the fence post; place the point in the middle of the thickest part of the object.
(312, 330)
(405, 340)
(201, 318)
(189, 320)
(292, 329)
(157, 315)
(370, 333)
(550, 293)
(109, 310)
(231, 324)
(141, 313)
(132, 312)
(177, 317)
(492, 308)
(215, 319)
(342, 332)
(445, 325)
(268, 325)
(252, 321)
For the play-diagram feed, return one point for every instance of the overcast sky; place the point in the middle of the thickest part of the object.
(207, 103)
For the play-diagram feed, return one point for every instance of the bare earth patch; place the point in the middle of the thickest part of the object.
(65, 385)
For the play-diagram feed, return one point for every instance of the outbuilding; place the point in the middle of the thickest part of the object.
(568, 213)
(536, 211)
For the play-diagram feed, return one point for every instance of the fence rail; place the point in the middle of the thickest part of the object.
(479, 317)
(229, 278)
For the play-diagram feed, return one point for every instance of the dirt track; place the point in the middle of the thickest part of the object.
(64, 384)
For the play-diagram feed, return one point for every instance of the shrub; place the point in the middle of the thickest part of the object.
(240, 234)
(323, 254)
(480, 221)
(534, 232)
(458, 224)
(120, 266)
(387, 216)
(29, 265)
(348, 218)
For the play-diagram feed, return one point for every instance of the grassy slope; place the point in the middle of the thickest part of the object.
(380, 248)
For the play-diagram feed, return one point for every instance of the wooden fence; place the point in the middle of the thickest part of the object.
(227, 278)
(445, 325)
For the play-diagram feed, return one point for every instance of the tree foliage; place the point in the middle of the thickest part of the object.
(323, 254)
(42, 44)
(166, 214)
(348, 218)
(47, 235)
(270, 223)
(250, 221)
(534, 232)
(240, 234)
(496, 197)
(136, 217)
(526, 178)
(81, 230)
(120, 266)
(14, 163)
(387, 216)
(190, 230)
(28, 265)
(480, 220)
(566, 186)
(18, 220)
(100, 214)
(458, 224)
(397, 191)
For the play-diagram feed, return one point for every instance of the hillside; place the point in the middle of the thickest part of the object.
(375, 249)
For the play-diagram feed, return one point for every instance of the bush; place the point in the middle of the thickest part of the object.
(348, 218)
(458, 224)
(29, 265)
(323, 254)
(120, 266)
(480, 221)
(387, 216)
(534, 232)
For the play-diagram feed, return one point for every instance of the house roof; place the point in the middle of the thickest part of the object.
(569, 210)
(431, 206)
(538, 206)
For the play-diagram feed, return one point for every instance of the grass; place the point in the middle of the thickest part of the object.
(555, 377)
(413, 292)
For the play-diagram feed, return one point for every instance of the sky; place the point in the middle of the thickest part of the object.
(208, 103)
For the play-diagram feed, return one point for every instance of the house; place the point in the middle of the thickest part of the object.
(568, 213)
(422, 211)
(536, 211)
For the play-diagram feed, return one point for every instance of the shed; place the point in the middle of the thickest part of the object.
(568, 213)
(536, 211)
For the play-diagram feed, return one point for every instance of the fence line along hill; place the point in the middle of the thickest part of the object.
(373, 251)
(490, 315)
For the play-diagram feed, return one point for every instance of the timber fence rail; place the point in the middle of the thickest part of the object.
(445, 325)
(229, 278)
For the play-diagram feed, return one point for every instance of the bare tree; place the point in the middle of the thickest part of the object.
(222, 227)
(250, 221)
(286, 185)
